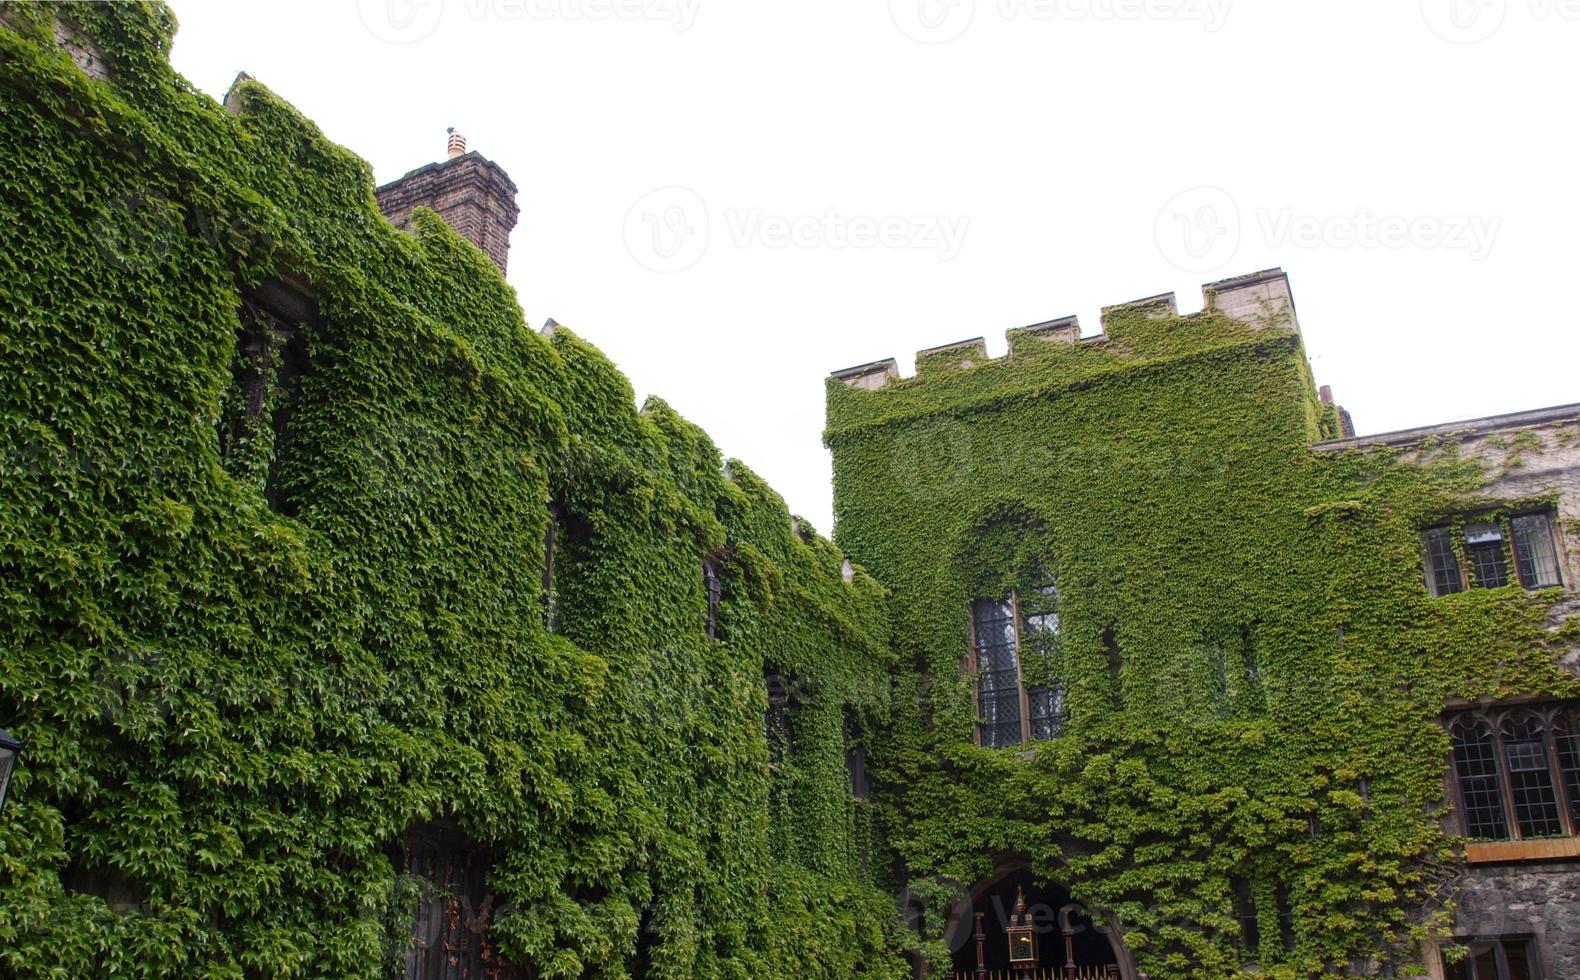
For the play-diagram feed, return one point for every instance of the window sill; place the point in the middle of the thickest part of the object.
(1556, 849)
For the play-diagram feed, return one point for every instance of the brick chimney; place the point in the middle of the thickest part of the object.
(473, 195)
(1346, 424)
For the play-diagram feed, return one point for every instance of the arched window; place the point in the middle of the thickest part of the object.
(1517, 771)
(1531, 783)
(1015, 646)
(1476, 765)
(1566, 734)
(257, 419)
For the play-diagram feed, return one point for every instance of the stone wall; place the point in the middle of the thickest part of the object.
(1540, 900)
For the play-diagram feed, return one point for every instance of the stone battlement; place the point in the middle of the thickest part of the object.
(1259, 300)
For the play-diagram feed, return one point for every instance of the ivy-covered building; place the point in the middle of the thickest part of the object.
(355, 629)
(1174, 645)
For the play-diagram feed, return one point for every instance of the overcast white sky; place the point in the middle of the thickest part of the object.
(734, 197)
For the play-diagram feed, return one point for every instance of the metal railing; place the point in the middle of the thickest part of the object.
(1041, 973)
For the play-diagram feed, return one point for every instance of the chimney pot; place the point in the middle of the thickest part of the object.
(457, 143)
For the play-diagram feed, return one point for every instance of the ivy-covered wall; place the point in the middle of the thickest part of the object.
(1254, 670)
(252, 645)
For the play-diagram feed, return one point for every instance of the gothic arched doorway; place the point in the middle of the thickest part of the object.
(1064, 929)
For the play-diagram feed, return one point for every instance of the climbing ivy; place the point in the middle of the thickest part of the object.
(234, 716)
(1254, 669)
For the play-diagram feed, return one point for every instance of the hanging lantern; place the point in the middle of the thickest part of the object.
(1022, 935)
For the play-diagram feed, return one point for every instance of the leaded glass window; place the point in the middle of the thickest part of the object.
(1485, 545)
(1047, 711)
(1442, 565)
(1015, 642)
(1531, 777)
(1489, 564)
(1039, 613)
(1517, 772)
(1566, 737)
(1535, 552)
(998, 672)
(1481, 793)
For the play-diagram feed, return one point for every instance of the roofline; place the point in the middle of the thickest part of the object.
(441, 164)
(1469, 427)
(888, 363)
(970, 342)
(1249, 279)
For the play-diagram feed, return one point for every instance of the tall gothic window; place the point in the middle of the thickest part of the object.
(776, 722)
(1517, 771)
(856, 760)
(1015, 646)
(713, 585)
(566, 541)
(454, 906)
(256, 420)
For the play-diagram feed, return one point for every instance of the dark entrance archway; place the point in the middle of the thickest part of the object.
(1052, 911)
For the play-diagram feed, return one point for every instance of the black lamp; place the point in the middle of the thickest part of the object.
(10, 749)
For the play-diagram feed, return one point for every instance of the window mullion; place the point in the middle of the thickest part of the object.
(1507, 527)
(1461, 807)
(1555, 769)
(1020, 670)
(976, 674)
(1514, 553)
(1511, 813)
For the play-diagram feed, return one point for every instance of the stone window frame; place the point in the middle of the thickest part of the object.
(268, 367)
(1460, 557)
(1559, 724)
(1499, 946)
